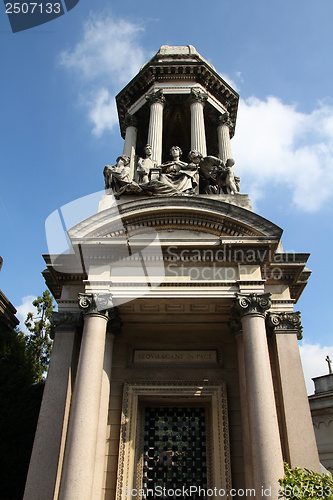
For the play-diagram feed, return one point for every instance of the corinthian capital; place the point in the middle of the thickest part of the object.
(253, 303)
(65, 321)
(197, 96)
(96, 303)
(286, 322)
(156, 97)
(131, 120)
(224, 120)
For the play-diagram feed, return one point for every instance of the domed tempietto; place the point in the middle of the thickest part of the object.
(175, 369)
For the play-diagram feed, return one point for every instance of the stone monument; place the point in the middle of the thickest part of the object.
(175, 360)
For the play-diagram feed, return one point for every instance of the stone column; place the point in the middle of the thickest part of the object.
(223, 137)
(80, 453)
(113, 329)
(267, 459)
(198, 135)
(46, 457)
(130, 140)
(236, 328)
(155, 131)
(300, 438)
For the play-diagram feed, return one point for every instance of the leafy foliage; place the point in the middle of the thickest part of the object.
(20, 401)
(39, 341)
(303, 484)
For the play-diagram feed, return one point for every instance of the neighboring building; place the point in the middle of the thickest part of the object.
(8, 320)
(175, 360)
(321, 405)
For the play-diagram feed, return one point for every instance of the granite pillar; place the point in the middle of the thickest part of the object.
(47, 452)
(81, 445)
(267, 462)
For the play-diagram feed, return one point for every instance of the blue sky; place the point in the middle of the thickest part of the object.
(59, 128)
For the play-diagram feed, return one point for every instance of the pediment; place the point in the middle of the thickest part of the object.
(184, 214)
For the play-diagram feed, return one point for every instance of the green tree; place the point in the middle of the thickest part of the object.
(304, 484)
(39, 341)
(20, 400)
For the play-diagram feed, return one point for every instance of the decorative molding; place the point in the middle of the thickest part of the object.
(96, 303)
(66, 321)
(179, 393)
(286, 322)
(253, 303)
(156, 97)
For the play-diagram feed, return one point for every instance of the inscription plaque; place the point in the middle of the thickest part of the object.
(175, 357)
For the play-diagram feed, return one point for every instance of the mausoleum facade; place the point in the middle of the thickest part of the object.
(175, 361)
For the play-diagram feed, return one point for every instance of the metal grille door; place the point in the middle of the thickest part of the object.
(174, 449)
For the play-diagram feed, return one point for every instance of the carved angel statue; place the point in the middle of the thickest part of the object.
(217, 177)
(117, 177)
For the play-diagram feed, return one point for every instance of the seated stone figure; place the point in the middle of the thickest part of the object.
(181, 176)
(118, 179)
(145, 165)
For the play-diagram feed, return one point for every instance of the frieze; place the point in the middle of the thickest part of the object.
(286, 322)
(253, 303)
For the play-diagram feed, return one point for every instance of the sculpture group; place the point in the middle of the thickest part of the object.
(202, 175)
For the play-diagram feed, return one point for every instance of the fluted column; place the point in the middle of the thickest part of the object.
(80, 453)
(198, 134)
(155, 131)
(223, 137)
(130, 140)
(47, 453)
(267, 459)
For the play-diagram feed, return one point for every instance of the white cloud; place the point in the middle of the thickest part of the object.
(277, 145)
(313, 361)
(23, 309)
(107, 56)
(102, 111)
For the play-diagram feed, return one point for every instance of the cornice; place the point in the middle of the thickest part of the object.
(192, 68)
